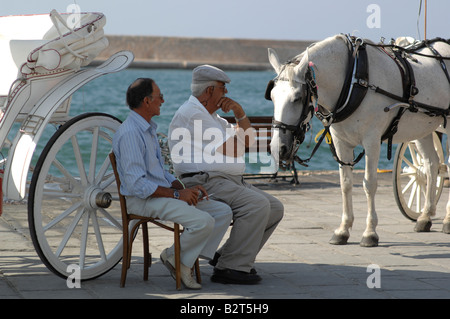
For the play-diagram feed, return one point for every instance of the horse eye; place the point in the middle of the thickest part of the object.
(297, 98)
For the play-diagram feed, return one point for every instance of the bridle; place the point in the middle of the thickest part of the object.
(299, 130)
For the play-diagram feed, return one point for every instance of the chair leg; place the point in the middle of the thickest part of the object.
(125, 259)
(197, 271)
(176, 234)
(146, 250)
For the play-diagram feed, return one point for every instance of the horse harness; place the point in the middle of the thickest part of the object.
(401, 56)
(355, 87)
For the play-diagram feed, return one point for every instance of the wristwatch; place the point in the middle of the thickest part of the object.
(176, 194)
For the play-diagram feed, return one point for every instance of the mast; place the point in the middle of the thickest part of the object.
(425, 35)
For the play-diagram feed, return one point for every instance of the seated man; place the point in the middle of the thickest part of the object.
(151, 191)
(207, 150)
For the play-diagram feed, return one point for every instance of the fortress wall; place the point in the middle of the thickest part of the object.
(176, 52)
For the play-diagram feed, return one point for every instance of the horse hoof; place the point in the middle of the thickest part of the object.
(422, 226)
(339, 239)
(370, 241)
(446, 228)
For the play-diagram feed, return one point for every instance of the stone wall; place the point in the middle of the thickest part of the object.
(175, 52)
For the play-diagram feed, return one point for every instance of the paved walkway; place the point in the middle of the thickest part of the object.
(296, 263)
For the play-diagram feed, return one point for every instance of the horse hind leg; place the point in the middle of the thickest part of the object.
(431, 167)
(446, 226)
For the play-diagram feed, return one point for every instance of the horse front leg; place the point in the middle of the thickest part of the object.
(431, 167)
(342, 234)
(370, 183)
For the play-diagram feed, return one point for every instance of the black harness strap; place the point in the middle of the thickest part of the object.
(359, 88)
(351, 94)
(440, 58)
(409, 91)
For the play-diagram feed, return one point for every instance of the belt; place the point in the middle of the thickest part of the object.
(191, 174)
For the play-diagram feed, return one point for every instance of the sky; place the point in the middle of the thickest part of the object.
(257, 19)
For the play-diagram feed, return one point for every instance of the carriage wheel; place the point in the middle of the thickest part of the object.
(73, 208)
(410, 179)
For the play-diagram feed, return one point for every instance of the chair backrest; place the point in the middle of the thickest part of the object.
(122, 199)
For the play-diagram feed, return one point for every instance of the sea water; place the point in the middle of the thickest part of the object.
(107, 94)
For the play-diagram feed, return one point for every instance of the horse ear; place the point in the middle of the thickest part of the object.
(304, 62)
(274, 60)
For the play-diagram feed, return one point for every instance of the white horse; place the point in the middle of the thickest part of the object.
(326, 64)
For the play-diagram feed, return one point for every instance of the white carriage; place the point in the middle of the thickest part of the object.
(73, 211)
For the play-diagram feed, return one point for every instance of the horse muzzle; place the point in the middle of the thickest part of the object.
(283, 146)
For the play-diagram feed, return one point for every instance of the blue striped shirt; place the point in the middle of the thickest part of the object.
(139, 161)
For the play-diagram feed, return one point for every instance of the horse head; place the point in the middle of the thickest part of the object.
(294, 90)
(289, 93)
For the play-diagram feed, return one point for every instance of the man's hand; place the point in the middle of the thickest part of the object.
(191, 195)
(227, 105)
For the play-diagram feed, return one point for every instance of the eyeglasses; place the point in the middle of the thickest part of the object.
(161, 96)
(223, 87)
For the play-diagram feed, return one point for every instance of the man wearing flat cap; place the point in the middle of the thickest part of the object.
(207, 150)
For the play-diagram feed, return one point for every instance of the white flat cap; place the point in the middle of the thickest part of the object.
(206, 72)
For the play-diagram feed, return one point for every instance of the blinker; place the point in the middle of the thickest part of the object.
(269, 88)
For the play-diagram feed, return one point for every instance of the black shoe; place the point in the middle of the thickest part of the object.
(213, 262)
(230, 276)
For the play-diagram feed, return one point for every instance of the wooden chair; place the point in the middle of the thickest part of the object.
(129, 236)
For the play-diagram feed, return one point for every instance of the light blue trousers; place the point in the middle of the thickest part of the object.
(204, 224)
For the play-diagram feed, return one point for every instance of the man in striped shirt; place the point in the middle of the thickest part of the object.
(152, 191)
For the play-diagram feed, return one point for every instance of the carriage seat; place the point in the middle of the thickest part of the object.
(13, 53)
(31, 46)
(18, 36)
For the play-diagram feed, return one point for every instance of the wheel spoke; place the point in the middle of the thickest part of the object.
(101, 173)
(93, 160)
(98, 236)
(69, 232)
(65, 172)
(406, 160)
(108, 181)
(414, 154)
(79, 160)
(110, 218)
(62, 216)
(84, 238)
(419, 198)
(412, 195)
(61, 194)
(408, 186)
